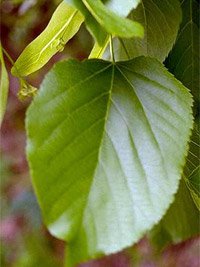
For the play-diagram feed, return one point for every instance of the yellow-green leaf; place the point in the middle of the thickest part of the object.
(4, 85)
(98, 50)
(63, 25)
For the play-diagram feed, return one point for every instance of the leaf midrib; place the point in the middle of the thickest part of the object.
(99, 149)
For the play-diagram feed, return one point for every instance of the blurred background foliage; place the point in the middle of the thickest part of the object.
(24, 240)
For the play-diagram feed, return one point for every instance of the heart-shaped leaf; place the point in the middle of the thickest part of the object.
(106, 147)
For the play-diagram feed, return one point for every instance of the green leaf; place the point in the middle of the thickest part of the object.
(116, 6)
(113, 23)
(50, 41)
(98, 50)
(101, 19)
(180, 222)
(184, 59)
(192, 167)
(4, 86)
(120, 8)
(160, 19)
(106, 147)
(92, 25)
(194, 186)
(182, 219)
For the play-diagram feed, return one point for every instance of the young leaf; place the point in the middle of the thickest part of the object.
(180, 222)
(4, 86)
(50, 41)
(113, 23)
(92, 25)
(120, 9)
(161, 20)
(111, 6)
(106, 147)
(184, 59)
(98, 50)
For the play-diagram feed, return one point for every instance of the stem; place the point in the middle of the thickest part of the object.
(112, 49)
(8, 56)
(26, 89)
(11, 61)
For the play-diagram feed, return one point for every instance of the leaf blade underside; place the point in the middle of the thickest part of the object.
(161, 20)
(112, 151)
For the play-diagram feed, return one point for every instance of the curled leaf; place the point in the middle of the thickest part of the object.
(113, 23)
(101, 19)
(50, 41)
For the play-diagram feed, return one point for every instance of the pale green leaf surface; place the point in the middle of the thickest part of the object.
(161, 20)
(4, 86)
(180, 222)
(120, 7)
(63, 25)
(184, 59)
(106, 147)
